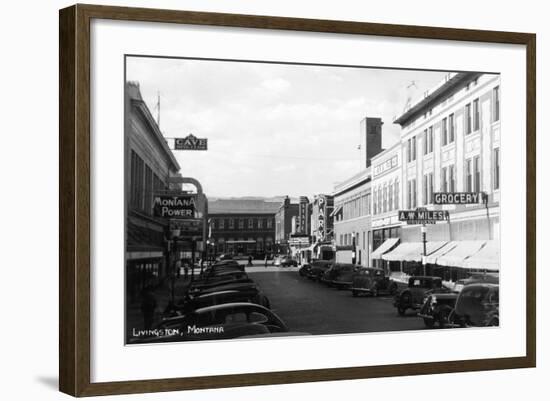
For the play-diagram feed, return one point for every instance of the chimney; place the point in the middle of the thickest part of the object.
(370, 136)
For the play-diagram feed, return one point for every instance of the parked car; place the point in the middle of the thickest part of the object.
(331, 274)
(285, 261)
(418, 288)
(304, 270)
(216, 298)
(437, 309)
(217, 322)
(477, 305)
(372, 281)
(219, 279)
(216, 268)
(318, 268)
(224, 256)
(343, 277)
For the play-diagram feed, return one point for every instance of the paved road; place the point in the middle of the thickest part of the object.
(311, 307)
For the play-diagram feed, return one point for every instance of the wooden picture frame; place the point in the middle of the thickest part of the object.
(74, 203)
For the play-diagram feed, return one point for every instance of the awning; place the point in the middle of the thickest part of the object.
(449, 246)
(385, 247)
(246, 241)
(458, 255)
(412, 251)
(487, 258)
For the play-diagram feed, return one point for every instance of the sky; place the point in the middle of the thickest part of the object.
(272, 129)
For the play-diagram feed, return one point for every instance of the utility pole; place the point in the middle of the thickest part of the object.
(423, 231)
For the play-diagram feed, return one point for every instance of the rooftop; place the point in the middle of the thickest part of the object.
(242, 206)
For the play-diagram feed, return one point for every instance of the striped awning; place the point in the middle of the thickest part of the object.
(386, 246)
(412, 251)
(487, 258)
(460, 253)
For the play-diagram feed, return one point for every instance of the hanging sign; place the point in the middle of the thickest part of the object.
(191, 142)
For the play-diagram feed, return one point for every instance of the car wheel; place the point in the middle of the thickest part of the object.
(393, 289)
(494, 322)
(401, 310)
(429, 323)
(354, 293)
(404, 303)
(443, 316)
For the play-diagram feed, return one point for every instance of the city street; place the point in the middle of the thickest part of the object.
(314, 308)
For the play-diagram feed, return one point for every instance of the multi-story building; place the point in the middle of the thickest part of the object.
(149, 164)
(386, 201)
(450, 142)
(284, 224)
(242, 227)
(352, 218)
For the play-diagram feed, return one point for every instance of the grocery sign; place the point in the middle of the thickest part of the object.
(459, 198)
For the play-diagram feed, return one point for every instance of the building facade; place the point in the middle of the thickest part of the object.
(149, 165)
(284, 217)
(352, 219)
(450, 142)
(386, 201)
(242, 227)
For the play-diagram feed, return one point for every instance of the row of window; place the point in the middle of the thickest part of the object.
(259, 240)
(143, 183)
(386, 198)
(356, 207)
(249, 223)
(472, 180)
(471, 124)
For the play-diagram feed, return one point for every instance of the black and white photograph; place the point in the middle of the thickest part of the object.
(268, 199)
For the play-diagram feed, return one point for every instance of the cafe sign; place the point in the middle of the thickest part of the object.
(175, 207)
(459, 198)
(423, 216)
(191, 142)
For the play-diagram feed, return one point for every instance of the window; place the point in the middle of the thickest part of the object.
(260, 223)
(477, 175)
(221, 224)
(425, 189)
(396, 195)
(409, 195)
(431, 139)
(444, 179)
(430, 187)
(390, 197)
(496, 103)
(379, 200)
(408, 154)
(269, 223)
(231, 224)
(451, 128)
(425, 142)
(469, 183)
(250, 224)
(413, 148)
(241, 224)
(452, 179)
(496, 168)
(444, 132)
(476, 114)
(468, 119)
(414, 192)
(374, 203)
(385, 199)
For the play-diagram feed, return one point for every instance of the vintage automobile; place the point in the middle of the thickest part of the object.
(285, 261)
(413, 296)
(318, 268)
(224, 256)
(437, 309)
(225, 321)
(219, 268)
(332, 274)
(343, 277)
(189, 304)
(477, 305)
(219, 279)
(304, 270)
(372, 281)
